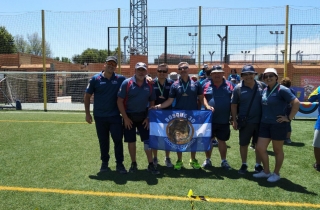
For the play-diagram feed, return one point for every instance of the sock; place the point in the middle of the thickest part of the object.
(245, 163)
(257, 164)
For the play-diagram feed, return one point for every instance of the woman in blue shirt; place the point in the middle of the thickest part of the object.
(275, 100)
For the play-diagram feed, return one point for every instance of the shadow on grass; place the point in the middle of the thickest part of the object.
(295, 144)
(283, 183)
(143, 175)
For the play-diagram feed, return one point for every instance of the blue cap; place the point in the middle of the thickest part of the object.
(248, 69)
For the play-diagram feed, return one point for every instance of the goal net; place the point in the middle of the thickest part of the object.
(64, 90)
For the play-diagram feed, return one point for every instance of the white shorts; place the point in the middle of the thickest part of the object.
(316, 138)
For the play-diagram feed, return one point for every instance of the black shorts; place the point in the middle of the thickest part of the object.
(247, 132)
(221, 131)
(130, 135)
(277, 131)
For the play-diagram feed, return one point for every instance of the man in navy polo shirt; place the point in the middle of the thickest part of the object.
(241, 100)
(161, 86)
(217, 92)
(134, 96)
(105, 86)
(186, 92)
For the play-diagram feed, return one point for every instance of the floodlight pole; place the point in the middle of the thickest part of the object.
(193, 46)
(276, 33)
(245, 55)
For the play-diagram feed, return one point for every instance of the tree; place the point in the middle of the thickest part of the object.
(21, 44)
(6, 42)
(35, 45)
(91, 56)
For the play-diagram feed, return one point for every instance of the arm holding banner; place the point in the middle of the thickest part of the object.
(206, 105)
(165, 104)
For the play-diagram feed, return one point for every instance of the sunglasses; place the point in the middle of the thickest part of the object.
(111, 63)
(268, 76)
(184, 68)
(162, 71)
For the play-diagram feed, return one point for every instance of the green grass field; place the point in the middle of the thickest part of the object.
(50, 160)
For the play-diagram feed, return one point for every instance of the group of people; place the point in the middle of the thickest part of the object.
(258, 111)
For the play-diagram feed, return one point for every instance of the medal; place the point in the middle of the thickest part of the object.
(161, 97)
(184, 94)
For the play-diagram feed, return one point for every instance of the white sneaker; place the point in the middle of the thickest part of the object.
(168, 163)
(274, 178)
(206, 163)
(262, 175)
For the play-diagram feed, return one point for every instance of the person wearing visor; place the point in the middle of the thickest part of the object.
(273, 125)
(105, 86)
(186, 92)
(217, 95)
(246, 109)
(134, 95)
(161, 86)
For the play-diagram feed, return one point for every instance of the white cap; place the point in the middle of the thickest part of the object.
(205, 66)
(141, 65)
(271, 70)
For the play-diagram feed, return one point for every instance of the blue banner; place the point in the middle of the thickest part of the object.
(180, 130)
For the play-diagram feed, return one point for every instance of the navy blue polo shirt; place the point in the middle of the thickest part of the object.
(105, 94)
(219, 98)
(136, 98)
(275, 104)
(165, 89)
(192, 89)
(243, 100)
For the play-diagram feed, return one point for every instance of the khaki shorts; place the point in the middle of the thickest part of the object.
(316, 138)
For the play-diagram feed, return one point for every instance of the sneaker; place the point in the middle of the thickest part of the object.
(225, 165)
(273, 178)
(104, 167)
(258, 168)
(243, 169)
(153, 169)
(133, 168)
(194, 164)
(168, 163)
(155, 161)
(253, 146)
(316, 166)
(121, 169)
(215, 142)
(178, 165)
(207, 163)
(262, 175)
(287, 141)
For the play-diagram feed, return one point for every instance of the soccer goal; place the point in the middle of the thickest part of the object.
(62, 90)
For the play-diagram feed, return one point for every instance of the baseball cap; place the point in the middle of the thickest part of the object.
(248, 69)
(216, 69)
(205, 66)
(112, 58)
(271, 70)
(173, 75)
(141, 65)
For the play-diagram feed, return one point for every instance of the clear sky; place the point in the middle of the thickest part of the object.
(68, 43)
(85, 5)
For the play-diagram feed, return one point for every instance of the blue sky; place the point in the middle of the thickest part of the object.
(89, 33)
(85, 5)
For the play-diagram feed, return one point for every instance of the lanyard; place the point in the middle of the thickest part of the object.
(272, 90)
(184, 88)
(164, 84)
